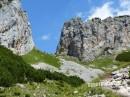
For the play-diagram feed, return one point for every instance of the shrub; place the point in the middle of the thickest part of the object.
(35, 75)
(72, 80)
(6, 78)
(123, 57)
(13, 70)
(75, 81)
(17, 94)
(3, 95)
(27, 95)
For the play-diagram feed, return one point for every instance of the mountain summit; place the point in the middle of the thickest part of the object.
(88, 40)
(15, 31)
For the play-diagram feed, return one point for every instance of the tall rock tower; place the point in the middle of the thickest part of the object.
(15, 30)
(88, 40)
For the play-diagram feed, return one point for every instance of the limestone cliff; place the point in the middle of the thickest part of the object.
(15, 31)
(88, 40)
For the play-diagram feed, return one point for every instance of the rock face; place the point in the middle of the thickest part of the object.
(119, 82)
(15, 32)
(88, 40)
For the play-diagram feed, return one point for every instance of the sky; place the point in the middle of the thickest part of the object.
(48, 16)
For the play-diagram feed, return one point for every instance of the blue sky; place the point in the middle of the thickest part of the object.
(48, 16)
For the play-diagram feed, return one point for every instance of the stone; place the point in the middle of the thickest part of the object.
(15, 30)
(121, 84)
(96, 37)
(20, 85)
(75, 92)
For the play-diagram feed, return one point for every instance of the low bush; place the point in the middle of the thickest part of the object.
(6, 77)
(124, 57)
(34, 75)
(72, 80)
(13, 70)
(3, 95)
(27, 95)
(17, 93)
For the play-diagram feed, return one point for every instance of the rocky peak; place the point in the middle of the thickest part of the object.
(15, 30)
(88, 40)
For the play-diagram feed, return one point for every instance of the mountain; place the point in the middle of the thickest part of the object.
(39, 74)
(88, 40)
(15, 30)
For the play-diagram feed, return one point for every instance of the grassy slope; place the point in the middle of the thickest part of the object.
(50, 88)
(54, 89)
(14, 70)
(36, 56)
(105, 63)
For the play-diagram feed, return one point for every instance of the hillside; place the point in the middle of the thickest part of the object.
(15, 70)
(23, 80)
(20, 79)
(36, 56)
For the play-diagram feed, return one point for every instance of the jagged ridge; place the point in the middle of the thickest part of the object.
(87, 40)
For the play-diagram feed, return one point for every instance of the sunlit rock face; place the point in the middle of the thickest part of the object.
(88, 40)
(15, 30)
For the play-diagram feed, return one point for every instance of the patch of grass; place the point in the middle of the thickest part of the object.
(36, 56)
(107, 64)
(100, 62)
(57, 89)
(104, 61)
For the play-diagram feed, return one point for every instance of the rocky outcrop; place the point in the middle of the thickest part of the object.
(119, 82)
(15, 30)
(88, 40)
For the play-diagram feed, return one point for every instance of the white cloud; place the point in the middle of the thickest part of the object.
(124, 8)
(102, 12)
(124, 3)
(45, 37)
(107, 9)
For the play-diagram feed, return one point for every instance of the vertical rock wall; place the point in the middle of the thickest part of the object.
(15, 30)
(88, 40)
